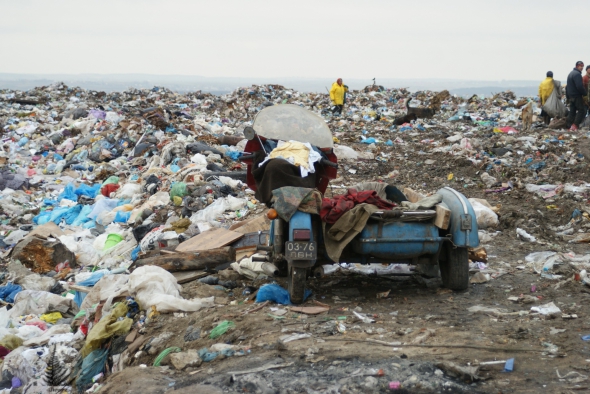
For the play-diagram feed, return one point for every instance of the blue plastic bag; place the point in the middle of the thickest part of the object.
(88, 191)
(206, 356)
(68, 193)
(233, 154)
(89, 282)
(57, 214)
(8, 292)
(135, 253)
(274, 292)
(50, 202)
(369, 140)
(72, 214)
(82, 216)
(42, 218)
(91, 366)
(122, 217)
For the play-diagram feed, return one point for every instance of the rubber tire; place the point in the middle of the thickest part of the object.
(454, 268)
(296, 284)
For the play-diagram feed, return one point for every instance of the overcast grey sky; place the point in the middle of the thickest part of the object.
(458, 39)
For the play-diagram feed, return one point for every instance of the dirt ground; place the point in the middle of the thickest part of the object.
(422, 327)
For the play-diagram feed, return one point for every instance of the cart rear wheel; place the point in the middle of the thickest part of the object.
(454, 268)
(297, 278)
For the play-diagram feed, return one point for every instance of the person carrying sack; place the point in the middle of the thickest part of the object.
(545, 90)
(550, 96)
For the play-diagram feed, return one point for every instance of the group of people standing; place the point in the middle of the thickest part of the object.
(576, 92)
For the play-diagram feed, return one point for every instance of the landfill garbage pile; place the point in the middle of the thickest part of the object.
(115, 206)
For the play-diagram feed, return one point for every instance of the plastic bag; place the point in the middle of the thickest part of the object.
(122, 217)
(37, 282)
(31, 302)
(209, 214)
(89, 282)
(68, 193)
(107, 327)
(83, 215)
(221, 329)
(486, 218)
(274, 292)
(108, 287)
(15, 237)
(554, 106)
(51, 318)
(90, 366)
(105, 204)
(178, 190)
(345, 152)
(111, 180)
(154, 286)
(88, 191)
(129, 190)
(9, 292)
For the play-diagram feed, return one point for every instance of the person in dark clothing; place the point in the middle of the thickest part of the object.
(575, 93)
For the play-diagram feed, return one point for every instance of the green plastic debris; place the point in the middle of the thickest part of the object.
(221, 329)
(166, 352)
(111, 179)
(178, 190)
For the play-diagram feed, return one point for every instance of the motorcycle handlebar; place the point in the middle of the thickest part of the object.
(328, 163)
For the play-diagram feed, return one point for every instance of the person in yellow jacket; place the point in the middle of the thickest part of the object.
(337, 94)
(545, 90)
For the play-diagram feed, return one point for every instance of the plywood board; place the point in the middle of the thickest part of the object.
(260, 223)
(188, 276)
(211, 239)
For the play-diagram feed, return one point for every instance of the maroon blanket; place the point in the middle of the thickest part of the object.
(333, 208)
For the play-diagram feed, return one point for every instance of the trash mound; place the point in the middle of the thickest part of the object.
(106, 197)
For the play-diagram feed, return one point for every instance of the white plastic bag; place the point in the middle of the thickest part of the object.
(345, 153)
(154, 286)
(216, 209)
(129, 190)
(37, 282)
(486, 218)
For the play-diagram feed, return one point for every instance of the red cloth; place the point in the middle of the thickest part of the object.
(4, 352)
(334, 208)
(106, 190)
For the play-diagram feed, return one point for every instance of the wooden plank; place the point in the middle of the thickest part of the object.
(443, 217)
(188, 276)
(201, 260)
(260, 223)
(413, 196)
(211, 239)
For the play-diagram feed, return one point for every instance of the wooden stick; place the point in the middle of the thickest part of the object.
(395, 344)
(255, 309)
(260, 369)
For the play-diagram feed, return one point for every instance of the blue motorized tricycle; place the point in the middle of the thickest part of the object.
(436, 235)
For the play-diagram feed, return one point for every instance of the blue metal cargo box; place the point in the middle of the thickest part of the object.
(398, 240)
